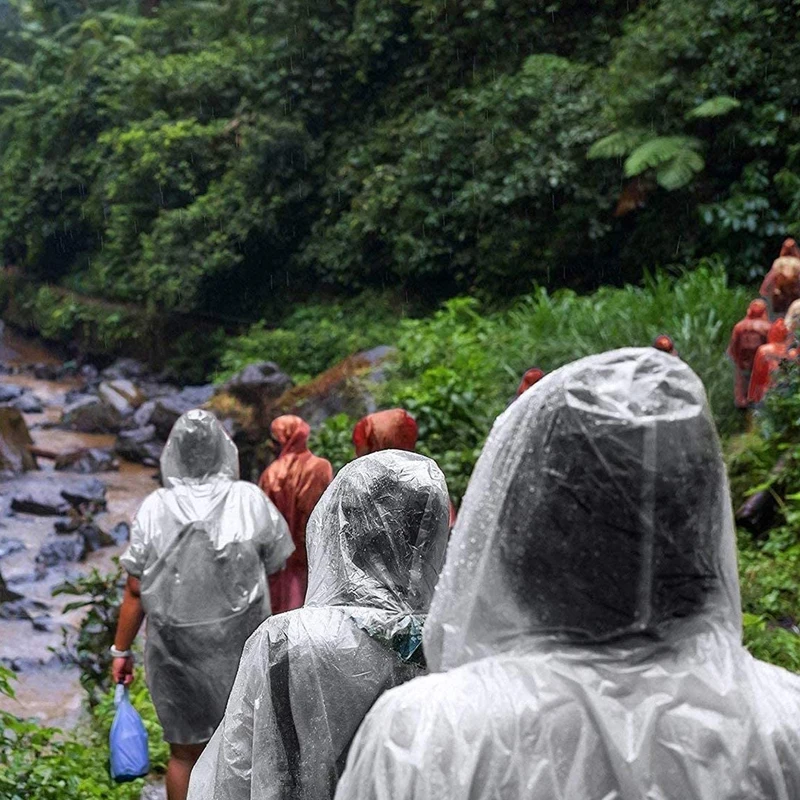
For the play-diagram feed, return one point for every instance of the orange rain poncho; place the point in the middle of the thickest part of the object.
(532, 376)
(394, 429)
(781, 286)
(294, 482)
(767, 360)
(748, 335)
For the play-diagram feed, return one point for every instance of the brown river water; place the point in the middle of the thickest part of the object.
(46, 689)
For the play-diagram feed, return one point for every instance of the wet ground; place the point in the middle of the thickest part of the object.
(47, 689)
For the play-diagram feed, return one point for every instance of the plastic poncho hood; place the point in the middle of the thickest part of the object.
(198, 448)
(378, 535)
(608, 474)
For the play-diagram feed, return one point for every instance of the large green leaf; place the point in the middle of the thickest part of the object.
(680, 170)
(715, 107)
(617, 144)
(657, 152)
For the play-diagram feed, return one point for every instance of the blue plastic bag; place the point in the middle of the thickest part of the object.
(127, 740)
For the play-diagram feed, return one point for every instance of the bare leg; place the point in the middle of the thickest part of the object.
(181, 760)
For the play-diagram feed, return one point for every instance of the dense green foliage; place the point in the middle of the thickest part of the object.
(457, 369)
(227, 157)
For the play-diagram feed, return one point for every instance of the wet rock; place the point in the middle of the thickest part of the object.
(95, 537)
(61, 550)
(23, 608)
(165, 411)
(122, 395)
(120, 533)
(14, 442)
(47, 372)
(140, 445)
(10, 545)
(142, 416)
(87, 461)
(41, 499)
(90, 491)
(124, 368)
(91, 415)
(258, 383)
(9, 392)
(7, 595)
(89, 373)
(28, 403)
(68, 525)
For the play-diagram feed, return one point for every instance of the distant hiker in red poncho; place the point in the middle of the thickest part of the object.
(294, 482)
(394, 429)
(665, 344)
(748, 335)
(531, 377)
(781, 286)
(768, 359)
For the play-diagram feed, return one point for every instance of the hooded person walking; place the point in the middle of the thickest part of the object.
(294, 482)
(199, 555)
(376, 543)
(589, 615)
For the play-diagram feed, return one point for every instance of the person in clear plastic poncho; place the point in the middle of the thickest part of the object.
(589, 615)
(376, 543)
(200, 552)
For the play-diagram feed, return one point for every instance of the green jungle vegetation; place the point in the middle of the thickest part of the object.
(484, 184)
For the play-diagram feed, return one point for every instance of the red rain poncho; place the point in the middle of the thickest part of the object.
(394, 429)
(748, 335)
(781, 286)
(532, 376)
(767, 360)
(294, 482)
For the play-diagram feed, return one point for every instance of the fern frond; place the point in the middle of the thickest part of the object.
(657, 152)
(680, 170)
(715, 107)
(616, 145)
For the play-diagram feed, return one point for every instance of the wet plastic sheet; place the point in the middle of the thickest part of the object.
(203, 547)
(589, 615)
(376, 543)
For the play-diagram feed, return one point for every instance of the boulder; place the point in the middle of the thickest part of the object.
(28, 403)
(6, 594)
(258, 384)
(87, 492)
(64, 549)
(165, 410)
(14, 442)
(91, 415)
(89, 460)
(89, 373)
(47, 372)
(95, 537)
(140, 445)
(122, 394)
(124, 368)
(41, 499)
(346, 388)
(10, 545)
(9, 392)
(120, 533)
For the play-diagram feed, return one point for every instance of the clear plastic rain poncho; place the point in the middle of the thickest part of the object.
(376, 543)
(202, 547)
(589, 615)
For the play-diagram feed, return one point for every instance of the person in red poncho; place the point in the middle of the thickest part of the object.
(768, 359)
(531, 377)
(294, 482)
(781, 285)
(748, 335)
(394, 429)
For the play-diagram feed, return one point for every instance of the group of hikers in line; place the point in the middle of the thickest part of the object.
(578, 634)
(766, 336)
